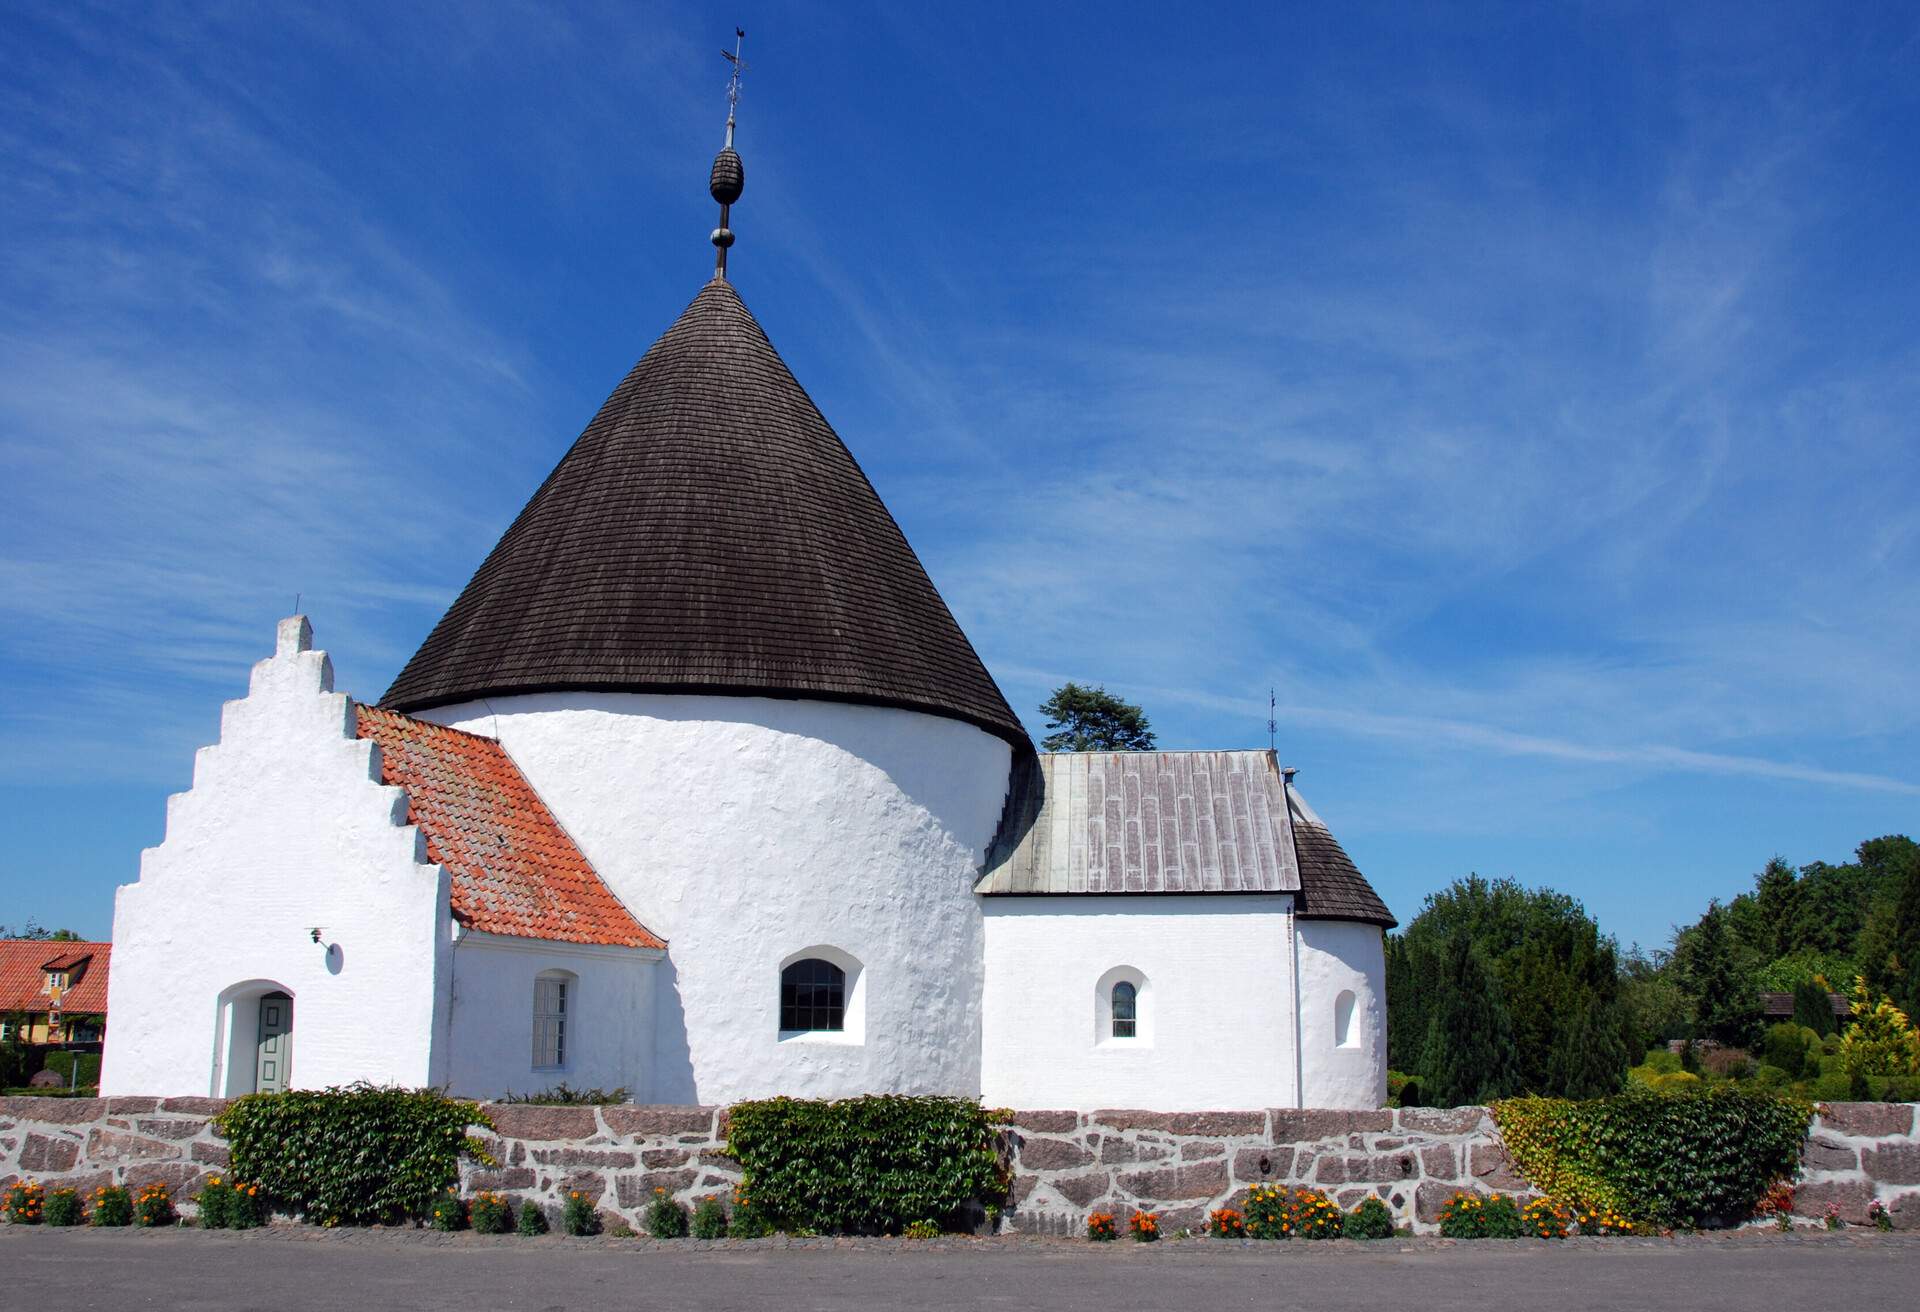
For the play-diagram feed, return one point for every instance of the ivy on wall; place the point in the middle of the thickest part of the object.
(1688, 1159)
(359, 1155)
(871, 1165)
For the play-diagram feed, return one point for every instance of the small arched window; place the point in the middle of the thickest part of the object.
(1344, 1035)
(1126, 1015)
(813, 997)
(553, 1002)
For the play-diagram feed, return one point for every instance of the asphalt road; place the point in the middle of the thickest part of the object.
(291, 1270)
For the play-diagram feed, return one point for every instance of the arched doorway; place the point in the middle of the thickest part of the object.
(254, 1033)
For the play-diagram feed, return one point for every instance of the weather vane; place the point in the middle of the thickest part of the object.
(1271, 726)
(728, 178)
(733, 80)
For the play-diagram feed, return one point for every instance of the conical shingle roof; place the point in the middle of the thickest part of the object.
(708, 532)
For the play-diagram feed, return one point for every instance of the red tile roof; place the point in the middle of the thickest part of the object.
(514, 869)
(24, 963)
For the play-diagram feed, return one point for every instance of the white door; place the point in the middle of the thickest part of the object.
(271, 1069)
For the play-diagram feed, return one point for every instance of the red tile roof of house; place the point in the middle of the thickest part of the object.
(24, 963)
(514, 869)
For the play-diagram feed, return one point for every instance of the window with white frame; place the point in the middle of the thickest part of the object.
(553, 998)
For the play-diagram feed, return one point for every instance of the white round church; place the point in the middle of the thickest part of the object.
(699, 790)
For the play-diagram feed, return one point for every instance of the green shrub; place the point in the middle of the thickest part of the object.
(448, 1213)
(579, 1216)
(250, 1206)
(1464, 1216)
(112, 1207)
(1500, 1218)
(532, 1221)
(1771, 1077)
(153, 1206)
(1662, 1062)
(931, 1230)
(870, 1165)
(748, 1220)
(357, 1155)
(710, 1219)
(666, 1219)
(1370, 1220)
(215, 1201)
(1691, 1158)
(64, 1208)
(62, 1064)
(490, 1214)
(1787, 1046)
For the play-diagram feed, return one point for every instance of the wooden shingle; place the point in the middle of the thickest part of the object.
(708, 532)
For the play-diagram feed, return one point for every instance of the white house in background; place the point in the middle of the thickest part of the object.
(698, 789)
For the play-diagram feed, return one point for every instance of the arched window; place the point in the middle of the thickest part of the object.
(813, 997)
(553, 1002)
(1123, 1009)
(1344, 1035)
(1126, 1017)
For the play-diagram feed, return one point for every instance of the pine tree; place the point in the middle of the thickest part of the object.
(1591, 1058)
(1726, 1010)
(1469, 1055)
(1093, 720)
(1776, 893)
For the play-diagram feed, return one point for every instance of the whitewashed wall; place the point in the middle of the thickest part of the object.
(1338, 956)
(285, 829)
(610, 1012)
(1219, 999)
(745, 830)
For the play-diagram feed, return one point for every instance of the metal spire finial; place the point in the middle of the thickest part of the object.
(728, 177)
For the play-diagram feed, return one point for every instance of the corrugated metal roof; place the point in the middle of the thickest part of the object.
(1144, 822)
(1171, 822)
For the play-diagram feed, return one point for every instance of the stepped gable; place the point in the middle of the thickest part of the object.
(512, 868)
(707, 533)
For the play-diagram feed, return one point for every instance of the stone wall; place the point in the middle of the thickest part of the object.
(1066, 1164)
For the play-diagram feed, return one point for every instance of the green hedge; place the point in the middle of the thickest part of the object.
(872, 1165)
(61, 1064)
(1700, 1156)
(358, 1155)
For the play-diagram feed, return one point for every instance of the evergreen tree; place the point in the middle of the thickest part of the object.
(1590, 1060)
(1093, 720)
(1775, 892)
(1726, 1009)
(1469, 1053)
(1903, 958)
(1546, 958)
(1813, 1007)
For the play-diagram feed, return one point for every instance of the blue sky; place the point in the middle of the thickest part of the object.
(1528, 394)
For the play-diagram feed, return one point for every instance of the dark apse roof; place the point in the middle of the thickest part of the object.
(708, 532)
(1171, 822)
